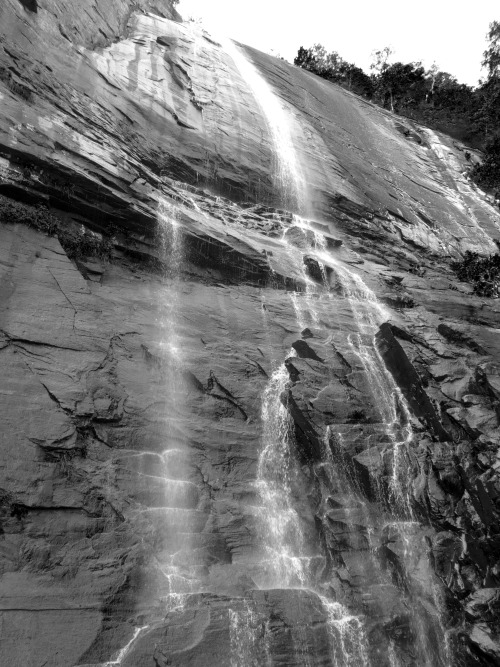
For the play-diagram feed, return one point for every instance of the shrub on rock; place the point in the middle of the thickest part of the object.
(77, 242)
(482, 272)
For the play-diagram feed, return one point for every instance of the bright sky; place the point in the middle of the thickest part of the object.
(450, 32)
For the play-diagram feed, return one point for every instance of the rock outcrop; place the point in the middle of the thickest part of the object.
(132, 388)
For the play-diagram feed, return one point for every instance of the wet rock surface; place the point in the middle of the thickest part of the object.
(131, 396)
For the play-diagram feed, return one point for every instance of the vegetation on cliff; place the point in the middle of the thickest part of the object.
(77, 241)
(482, 272)
(430, 96)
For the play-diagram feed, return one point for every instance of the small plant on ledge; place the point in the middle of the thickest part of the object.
(84, 243)
(78, 243)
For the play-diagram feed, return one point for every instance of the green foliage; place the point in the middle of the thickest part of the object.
(487, 108)
(317, 60)
(381, 60)
(433, 97)
(487, 174)
(332, 67)
(395, 85)
(353, 78)
(491, 57)
(38, 217)
(482, 272)
(447, 93)
(84, 243)
(487, 115)
(77, 243)
(401, 85)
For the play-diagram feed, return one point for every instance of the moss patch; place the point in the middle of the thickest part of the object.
(78, 243)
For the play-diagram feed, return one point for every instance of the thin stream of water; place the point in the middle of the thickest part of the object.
(395, 414)
(180, 579)
(179, 582)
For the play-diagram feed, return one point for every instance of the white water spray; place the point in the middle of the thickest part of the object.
(176, 562)
(288, 176)
(286, 564)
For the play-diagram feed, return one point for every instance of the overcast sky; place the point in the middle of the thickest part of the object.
(426, 30)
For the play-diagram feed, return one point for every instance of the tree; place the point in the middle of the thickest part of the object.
(332, 67)
(431, 76)
(431, 96)
(401, 84)
(487, 117)
(491, 57)
(317, 60)
(355, 79)
(380, 60)
(487, 174)
(304, 59)
(448, 94)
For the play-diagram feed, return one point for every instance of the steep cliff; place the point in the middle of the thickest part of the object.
(263, 427)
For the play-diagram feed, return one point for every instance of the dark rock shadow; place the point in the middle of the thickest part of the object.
(30, 5)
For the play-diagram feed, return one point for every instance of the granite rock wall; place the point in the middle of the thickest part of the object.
(131, 395)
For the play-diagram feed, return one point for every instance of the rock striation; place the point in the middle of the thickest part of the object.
(133, 421)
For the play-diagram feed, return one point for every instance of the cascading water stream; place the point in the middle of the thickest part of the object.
(305, 314)
(368, 315)
(248, 649)
(285, 567)
(287, 563)
(178, 562)
(289, 181)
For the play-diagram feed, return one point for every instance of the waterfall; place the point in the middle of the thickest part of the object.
(348, 637)
(287, 562)
(249, 648)
(281, 531)
(289, 180)
(431, 642)
(122, 654)
(177, 562)
(369, 315)
(304, 315)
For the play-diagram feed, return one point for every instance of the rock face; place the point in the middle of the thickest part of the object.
(142, 523)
